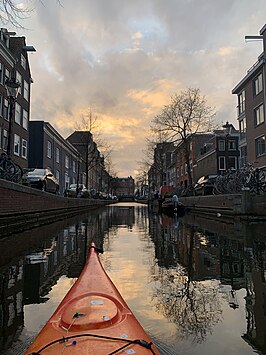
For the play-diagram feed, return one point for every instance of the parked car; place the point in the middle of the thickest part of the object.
(42, 179)
(73, 192)
(205, 184)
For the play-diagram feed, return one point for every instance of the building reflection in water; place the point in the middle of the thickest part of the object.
(192, 251)
(198, 263)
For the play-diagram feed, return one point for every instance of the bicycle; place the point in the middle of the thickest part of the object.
(9, 170)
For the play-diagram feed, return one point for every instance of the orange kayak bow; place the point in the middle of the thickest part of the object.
(93, 318)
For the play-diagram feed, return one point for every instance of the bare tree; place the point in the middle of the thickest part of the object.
(187, 115)
(12, 13)
(91, 123)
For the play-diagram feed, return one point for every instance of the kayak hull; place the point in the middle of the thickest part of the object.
(93, 318)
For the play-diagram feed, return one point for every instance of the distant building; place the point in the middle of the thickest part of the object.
(14, 63)
(123, 186)
(251, 91)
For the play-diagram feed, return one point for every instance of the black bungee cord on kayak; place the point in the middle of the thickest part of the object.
(142, 343)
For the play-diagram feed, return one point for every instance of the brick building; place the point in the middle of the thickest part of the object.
(251, 91)
(14, 63)
(48, 149)
(218, 154)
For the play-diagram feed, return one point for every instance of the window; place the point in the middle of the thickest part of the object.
(74, 166)
(16, 144)
(232, 163)
(7, 74)
(26, 90)
(1, 105)
(4, 142)
(49, 149)
(17, 113)
(181, 171)
(242, 128)
(185, 170)
(258, 86)
(259, 115)
(6, 111)
(57, 175)
(221, 145)
(19, 80)
(221, 163)
(231, 145)
(57, 155)
(243, 156)
(25, 119)
(260, 146)
(23, 61)
(66, 161)
(1, 73)
(241, 102)
(66, 180)
(24, 149)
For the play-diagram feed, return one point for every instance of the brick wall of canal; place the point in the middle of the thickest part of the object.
(22, 207)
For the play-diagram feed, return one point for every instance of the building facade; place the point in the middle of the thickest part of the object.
(14, 64)
(251, 96)
(218, 154)
(48, 149)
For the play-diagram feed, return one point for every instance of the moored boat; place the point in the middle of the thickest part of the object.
(93, 318)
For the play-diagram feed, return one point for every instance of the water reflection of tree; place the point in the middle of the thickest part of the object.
(193, 305)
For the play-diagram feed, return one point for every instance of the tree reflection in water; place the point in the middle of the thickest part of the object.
(195, 306)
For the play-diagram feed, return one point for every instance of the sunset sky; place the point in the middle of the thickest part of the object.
(124, 59)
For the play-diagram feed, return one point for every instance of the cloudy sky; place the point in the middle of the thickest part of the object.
(124, 59)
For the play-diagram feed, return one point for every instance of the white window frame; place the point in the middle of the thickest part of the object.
(57, 175)
(16, 145)
(18, 113)
(221, 145)
(241, 102)
(259, 115)
(235, 164)
(257, 143)
(1, 73)
(66, 161)
(222, 158)
(1, 105)
(7, 75)
(233, 143)
(5, 138)
(23, 61)
(26, 90)
(24, 148)
(19, 79)
(6, 110)
(258, 84)
(74, 166)
(49, 149)
(57, 155)
(25, 119)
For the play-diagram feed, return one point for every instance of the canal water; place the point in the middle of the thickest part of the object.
(197, 285)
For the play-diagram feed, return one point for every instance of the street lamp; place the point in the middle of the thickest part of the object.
(12, 87)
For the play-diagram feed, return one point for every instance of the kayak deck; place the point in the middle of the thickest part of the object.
(93, 318)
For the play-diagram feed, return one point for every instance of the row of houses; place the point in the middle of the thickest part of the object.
(228, 148)
(36, 144)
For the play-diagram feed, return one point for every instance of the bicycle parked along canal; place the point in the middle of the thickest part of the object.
(9, 170)
(235, 181)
